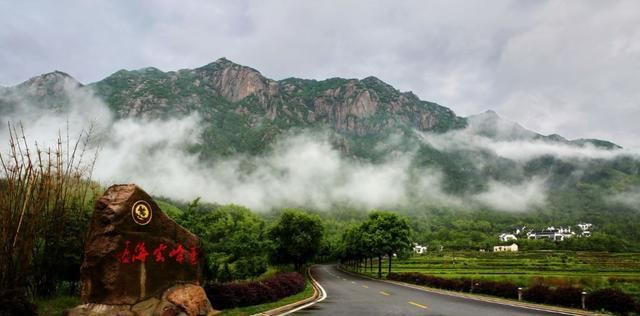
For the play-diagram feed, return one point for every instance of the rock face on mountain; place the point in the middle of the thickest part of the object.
(346, 105)
(235, 82)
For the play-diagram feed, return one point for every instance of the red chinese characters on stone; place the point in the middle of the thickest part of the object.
(140, 253)
(157, 253)
(125, 255)
(178, 253)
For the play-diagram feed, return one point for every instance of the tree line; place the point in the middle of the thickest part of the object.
(382, 234)
(240, 245)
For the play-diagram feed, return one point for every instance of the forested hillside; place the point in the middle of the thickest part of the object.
(460, 180)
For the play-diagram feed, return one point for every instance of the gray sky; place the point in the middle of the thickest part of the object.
(567, 67)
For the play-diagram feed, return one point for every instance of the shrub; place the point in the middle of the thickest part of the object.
(506, 290)
(503, 289)
(484, 287)
(238, 294)
(612, 300)
(537, 294)
(15, 302)
(567, 296)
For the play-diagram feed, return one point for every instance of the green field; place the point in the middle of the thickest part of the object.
(590, 270)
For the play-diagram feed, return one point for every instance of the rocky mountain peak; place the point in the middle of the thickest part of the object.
(51, 78)
(490, 124)
(53, 83)
(235, 82)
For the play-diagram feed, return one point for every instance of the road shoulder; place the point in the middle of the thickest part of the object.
(319, 294)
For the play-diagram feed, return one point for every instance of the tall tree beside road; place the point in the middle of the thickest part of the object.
(296, 237)
(388, 234)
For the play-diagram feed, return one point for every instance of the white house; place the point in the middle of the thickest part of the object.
(507, 237)
(556, 234)
(585, 226)
(512, 247)
(419, 249)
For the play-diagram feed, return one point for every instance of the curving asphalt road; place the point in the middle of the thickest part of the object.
(351, 295)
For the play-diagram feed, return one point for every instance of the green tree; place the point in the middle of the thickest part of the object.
(233, 239)
(388, 233)
(355, 246)
(296, 238)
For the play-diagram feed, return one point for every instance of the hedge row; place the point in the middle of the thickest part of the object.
(238, 294)
(501, 289)
(612, 300)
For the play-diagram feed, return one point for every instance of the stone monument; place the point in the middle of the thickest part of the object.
(138, 261)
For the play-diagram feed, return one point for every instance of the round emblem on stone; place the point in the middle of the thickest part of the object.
(141, 212)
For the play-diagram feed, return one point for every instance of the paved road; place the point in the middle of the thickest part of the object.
(350, 295)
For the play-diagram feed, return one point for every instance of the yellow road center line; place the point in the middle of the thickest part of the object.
(384, 293)
(418, 305)
(364, 286)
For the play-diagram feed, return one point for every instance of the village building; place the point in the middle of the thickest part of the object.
(512, 247)
(585, 226)
(586, 229)
(419, 249)
(507, 237)
(553, 233)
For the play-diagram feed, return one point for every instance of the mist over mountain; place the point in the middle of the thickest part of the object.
(228, 134)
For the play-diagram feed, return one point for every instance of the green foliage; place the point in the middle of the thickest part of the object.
(233, 239)
(43, 212)
(383, 233)
(386, 233)
(296, 238)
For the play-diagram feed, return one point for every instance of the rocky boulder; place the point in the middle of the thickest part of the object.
(138, 261)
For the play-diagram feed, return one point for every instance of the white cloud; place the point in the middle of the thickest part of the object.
(513, 197)
(519, 150)
(301, 169)
(630, 198)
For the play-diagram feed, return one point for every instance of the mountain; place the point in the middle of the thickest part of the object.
(243, 113)
(246, 111)
(346, 105)
(491, 125)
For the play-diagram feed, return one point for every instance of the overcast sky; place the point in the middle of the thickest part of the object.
(567, 67)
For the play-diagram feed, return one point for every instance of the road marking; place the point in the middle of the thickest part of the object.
(364, 286)
(353, 282)
(418, 305)
(384, 293)
(322, 297)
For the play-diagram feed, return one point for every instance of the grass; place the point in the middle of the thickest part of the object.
(590, 270)
(56, 305)
(250, 310)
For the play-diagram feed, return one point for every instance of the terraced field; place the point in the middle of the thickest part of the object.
(590, 270)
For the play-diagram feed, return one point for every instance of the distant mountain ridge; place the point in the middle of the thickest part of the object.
(491, 125)
(223, 92)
